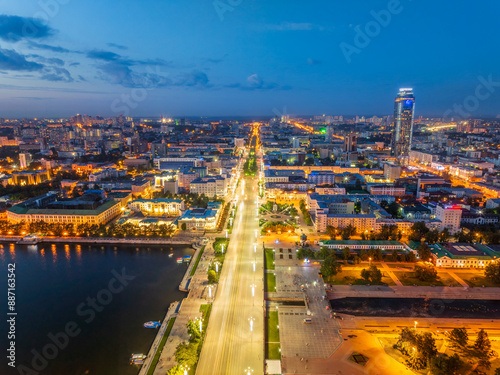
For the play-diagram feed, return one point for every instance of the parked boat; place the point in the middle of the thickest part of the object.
(179, 260)
(137, 358)
(152, 324)
(187, 258)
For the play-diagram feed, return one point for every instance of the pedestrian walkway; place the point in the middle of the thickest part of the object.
(189, 310)
(391, 274)
(458, 279)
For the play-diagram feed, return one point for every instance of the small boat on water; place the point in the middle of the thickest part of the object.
(152, 324)
(137, 358)
(170, 255)
(186, 258)
(179, 260)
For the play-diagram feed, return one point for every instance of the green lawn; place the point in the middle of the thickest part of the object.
(270, 282)
(269, 259)
(273, 350)
(272, 322)
(272, 336)
(476, 279)
(408, 279)
(193, 270)
(154, 362)
(348, 276)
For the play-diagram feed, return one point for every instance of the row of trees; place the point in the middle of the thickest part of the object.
(187, 353)
(86, 230)
(420, 348)
(305, 213)
(345, 233)
(363, 255)
(419, 230)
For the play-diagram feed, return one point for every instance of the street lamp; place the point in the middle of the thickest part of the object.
(251, 320)
(253, 263)
(253, 289)
(254, 247)
(255, 233)
(370, 259)
(226, 233)
(210, 291)
(185, 368)
(200, 322)
(217, 267)
(248, 371)
(415, 324)
(222, 247)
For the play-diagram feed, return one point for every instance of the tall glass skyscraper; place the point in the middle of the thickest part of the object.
(404, 107)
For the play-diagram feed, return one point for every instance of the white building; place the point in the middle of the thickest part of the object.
(158, 207)
(449, 216)
(211, 186)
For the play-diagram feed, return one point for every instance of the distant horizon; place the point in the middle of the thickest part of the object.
(246, 117)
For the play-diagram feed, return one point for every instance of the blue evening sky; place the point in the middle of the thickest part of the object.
(254, 57)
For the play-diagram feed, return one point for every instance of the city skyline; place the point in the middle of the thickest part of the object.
(54, 63)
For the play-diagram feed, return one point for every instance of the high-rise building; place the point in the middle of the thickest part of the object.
(404, 107)
(25, 160)
(350, 143)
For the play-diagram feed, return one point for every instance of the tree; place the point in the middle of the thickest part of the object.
(394, 256)
(186, 354)
(482, 349)
(331, 232)
(363, 255)
(426, 346)
(432, 236)
(424, 252)
(445, 365)
(492, 272)
(459, 340)
(212, 277)
(394, 210)
(347, 254)
(348, 231)
(444, 235)
(425, 273)
(323, 252)
(194, 330)
(330, 266)
(183, 226)
(372, 275)
(417, 231)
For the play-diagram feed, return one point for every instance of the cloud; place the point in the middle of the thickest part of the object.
(47, 47)
(117, 46)
(215, 60)
(82, 79)
(255, 82)
(195, 78)
(293, 26)
(103, 55)
(120, 73)
(15, 28)
(74, 64)
(45, 60)
(11, 60)
(313, 62)
(56, 74)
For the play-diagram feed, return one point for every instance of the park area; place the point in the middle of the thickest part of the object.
(352, 276)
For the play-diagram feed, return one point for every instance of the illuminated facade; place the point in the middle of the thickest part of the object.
(404, 107)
